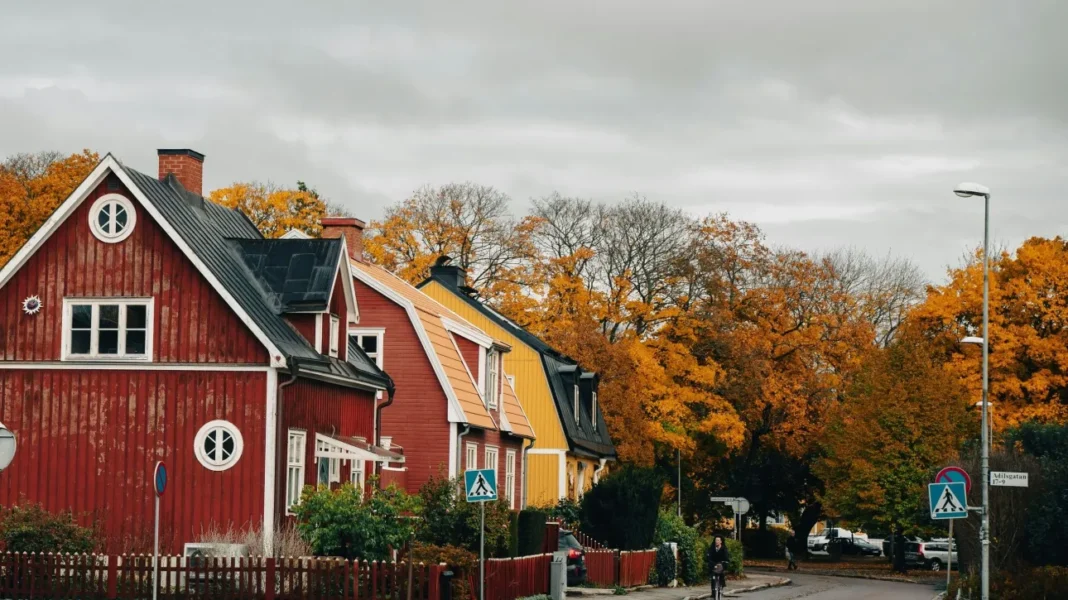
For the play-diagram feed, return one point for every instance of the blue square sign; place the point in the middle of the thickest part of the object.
(481, 485)
(948, 500)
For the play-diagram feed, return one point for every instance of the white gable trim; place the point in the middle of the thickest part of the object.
(110, 165)
(478, 388)
(456, 412)
(467, 331)
(344, 270)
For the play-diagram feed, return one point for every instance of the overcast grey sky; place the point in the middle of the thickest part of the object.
(827, 123)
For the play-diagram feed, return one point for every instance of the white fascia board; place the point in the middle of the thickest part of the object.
(468, 331)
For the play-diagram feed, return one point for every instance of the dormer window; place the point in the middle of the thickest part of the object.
(577, 397)
(493, 358)
(593, 412)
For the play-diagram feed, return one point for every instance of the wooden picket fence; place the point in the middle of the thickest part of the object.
(634, 567)
(511, 578)
(97, 577)
(602, 567)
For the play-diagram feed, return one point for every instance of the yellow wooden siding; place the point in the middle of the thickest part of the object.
(543, 476)
(524, 364)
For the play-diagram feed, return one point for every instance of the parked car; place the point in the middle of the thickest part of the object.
(861, 547)
(576, 558)
(936, 555)
(886, 546)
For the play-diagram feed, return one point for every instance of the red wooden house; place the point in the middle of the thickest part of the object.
(143, 323)
(454, 407)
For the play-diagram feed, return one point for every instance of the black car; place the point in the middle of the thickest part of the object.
(576, 558)
(861, 547)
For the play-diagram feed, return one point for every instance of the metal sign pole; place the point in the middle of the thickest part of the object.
(155, 556)
(482, 555)
(949, 561)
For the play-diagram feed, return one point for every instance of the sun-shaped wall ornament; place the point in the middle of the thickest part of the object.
(31, 305)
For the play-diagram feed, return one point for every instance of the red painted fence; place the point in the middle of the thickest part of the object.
(634, 567)
(511, 578)
(602, 567)
(97, 577)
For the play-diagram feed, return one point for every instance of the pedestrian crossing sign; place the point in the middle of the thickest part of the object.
(481, 485)
(948, 500)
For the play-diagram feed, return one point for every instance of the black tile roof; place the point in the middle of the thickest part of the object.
(299, 274)
(218, 236)
(558, 368)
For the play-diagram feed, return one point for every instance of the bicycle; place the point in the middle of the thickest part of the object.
(717, 582)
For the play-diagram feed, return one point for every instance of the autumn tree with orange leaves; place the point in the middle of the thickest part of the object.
(275, 210)
(32, 186)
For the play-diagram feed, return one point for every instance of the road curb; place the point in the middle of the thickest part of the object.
(760, 586)
(857, 576)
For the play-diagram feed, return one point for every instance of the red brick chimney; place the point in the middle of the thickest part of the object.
(187, 166)
(351, 229)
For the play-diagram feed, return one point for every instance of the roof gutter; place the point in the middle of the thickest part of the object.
(390, 390)
(459, 449)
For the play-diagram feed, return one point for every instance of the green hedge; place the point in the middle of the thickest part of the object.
(621, 511)
(672, 528)
(513, 535)
(737, 552)
(665, 565)
(531, 532)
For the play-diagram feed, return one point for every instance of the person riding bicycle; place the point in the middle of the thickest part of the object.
(718, 555)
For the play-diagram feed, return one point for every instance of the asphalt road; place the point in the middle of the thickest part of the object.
(818, 587)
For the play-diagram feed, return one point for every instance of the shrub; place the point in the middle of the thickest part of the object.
(31, 528)
(286, 540)
(566, 511)
(350, 524)
(672, 528)
(737, 556)
(531, 525)
(513, 535)
(449, 519)
(665, 565)
(770, 543)
(461, 561)
(621, 510)
(1041, 583)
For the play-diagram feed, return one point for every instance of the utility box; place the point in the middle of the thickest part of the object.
(558, 576)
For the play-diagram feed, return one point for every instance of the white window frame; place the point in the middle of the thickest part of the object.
(335, 330)
(358, 474)
(213, 463)
(94, 224)
(471, 456)
(593, 412)
(296, 456)
(578, 397)
(96, 303)
(492, 463)
(378, 332)
(493, 380)
(509, 477)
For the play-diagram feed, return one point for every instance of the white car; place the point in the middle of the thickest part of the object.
(936, 555)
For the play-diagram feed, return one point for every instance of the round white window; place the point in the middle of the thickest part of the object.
(218, 445)
(112, 218)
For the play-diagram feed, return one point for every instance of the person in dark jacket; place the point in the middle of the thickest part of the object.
(717, 554)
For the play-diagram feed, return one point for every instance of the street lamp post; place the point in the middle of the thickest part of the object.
(970, 190)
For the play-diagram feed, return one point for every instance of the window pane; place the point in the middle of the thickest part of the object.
(103, 217)
(227, 445)
(81, 316)
(369, 343)
(120, 218)
(135, 317)
(108, 342)
(210, 447)
(79, 342)
(109, 316)
(135, 342)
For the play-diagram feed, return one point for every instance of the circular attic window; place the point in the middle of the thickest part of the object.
(218, 445)
(112, 218)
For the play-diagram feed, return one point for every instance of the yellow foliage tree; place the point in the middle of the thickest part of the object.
(275, 210)
(1028, 330)
(32, 186)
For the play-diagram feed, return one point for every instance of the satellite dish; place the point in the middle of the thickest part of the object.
(7, 447)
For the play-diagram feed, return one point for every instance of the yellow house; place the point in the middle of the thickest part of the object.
(573, 446)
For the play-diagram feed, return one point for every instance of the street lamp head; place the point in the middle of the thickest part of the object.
(969, 189)
(971, 339)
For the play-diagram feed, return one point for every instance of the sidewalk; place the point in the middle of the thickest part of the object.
(752, 582)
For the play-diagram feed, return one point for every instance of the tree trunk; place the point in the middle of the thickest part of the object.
(897, 548)
(809, 517)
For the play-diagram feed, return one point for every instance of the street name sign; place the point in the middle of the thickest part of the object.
(1008, 479)
(948, 500)
(481, 485)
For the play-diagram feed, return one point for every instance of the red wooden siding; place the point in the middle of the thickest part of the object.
(89, 439)
(321, 408)
(192, 323)
(469, 351)
(305, 325)
(505, 442)
(418, 418)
